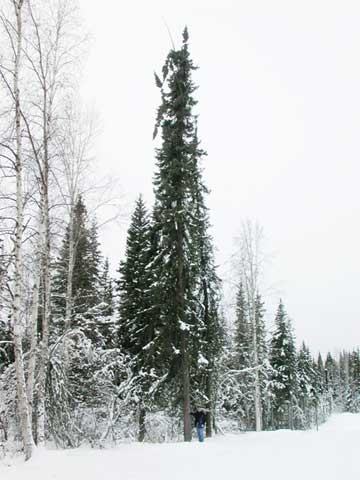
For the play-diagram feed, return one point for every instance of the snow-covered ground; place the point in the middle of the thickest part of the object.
(332, 453)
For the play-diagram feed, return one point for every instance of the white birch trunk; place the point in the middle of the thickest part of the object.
(26, 432)
(49, 56)
(44, 345)
(250, 272)
(69, 289)
(69, 286)
(33, 342)
(45, 264)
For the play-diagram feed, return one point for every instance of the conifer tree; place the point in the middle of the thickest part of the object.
(183, 261)
(332, 381)
(106, 290)
(283, 363)
(263, 361)
(243, 403)
(320, 369)
(85, 278)
(306, 386)
(353, 398)
(249, 263)
(209, 341)
(137, 326)
(6, 345)
(344, 381)
(107, 324)
(242, 330)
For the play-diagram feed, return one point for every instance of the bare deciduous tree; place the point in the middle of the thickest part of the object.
(14, 31)
(249, 263)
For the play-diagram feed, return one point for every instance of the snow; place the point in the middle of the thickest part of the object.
(202, 360)
(328, 454)
(184, 326)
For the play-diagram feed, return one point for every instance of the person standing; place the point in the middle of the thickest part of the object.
(200, 420)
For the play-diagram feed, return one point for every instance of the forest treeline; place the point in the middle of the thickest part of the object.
(85, 357)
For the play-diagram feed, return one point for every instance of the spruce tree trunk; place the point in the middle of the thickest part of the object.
(208, 381)
(25, 425)
(186, 388)
(257, 391)
(142, 429)
(209, 405)
(184, 335)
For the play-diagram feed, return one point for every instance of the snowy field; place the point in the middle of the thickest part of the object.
(332, 453)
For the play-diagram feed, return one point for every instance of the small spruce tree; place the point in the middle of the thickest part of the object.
(283, 364)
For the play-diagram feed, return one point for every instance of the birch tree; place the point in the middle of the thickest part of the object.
(249, 264)
(14, 31)
(51, 55)
(74, 143)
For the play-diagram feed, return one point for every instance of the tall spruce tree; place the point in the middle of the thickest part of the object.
(284, 378)
(183, 262)
(209, 341)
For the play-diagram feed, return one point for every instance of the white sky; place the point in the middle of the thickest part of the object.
(279, 105)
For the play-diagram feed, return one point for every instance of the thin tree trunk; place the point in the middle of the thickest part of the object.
(258, 403)
(69, 289)
(208, 381)
(184, 335)
(33, 344)
(142, 429)
(209, 404)
(186, 387)
(25, 424)
(69, 285)
(257, 391)
(46, 121)
(33, 326)
(250, 264)
(44, 346)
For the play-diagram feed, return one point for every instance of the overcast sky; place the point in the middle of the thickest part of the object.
(279, 106)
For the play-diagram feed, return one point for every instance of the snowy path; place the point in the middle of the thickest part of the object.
(332, 453)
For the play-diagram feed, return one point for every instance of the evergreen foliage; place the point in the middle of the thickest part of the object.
(353, 392)
(242, 402)
(187, 282)
(242, 330)
(284, 371)
(138, 331)
(88, 289)
(306, 397)
(134, 364)
(6, 345)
